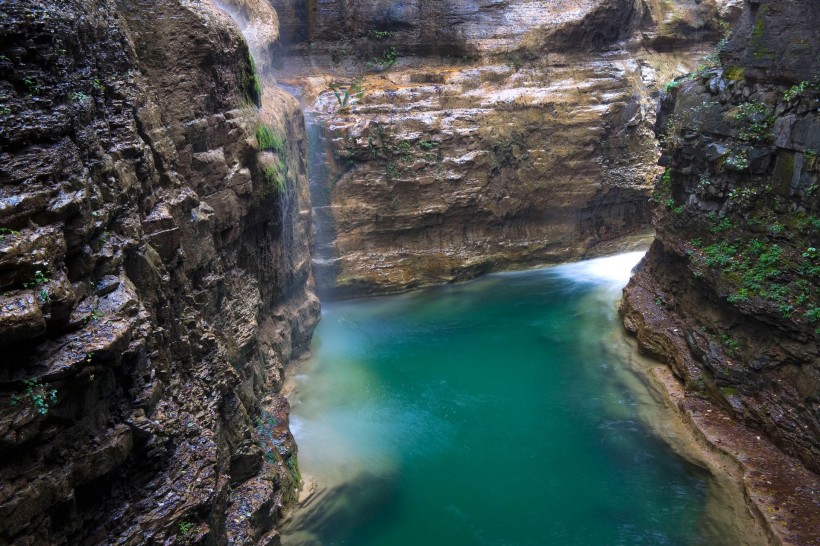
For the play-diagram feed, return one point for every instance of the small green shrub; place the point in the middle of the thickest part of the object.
(742, 196)
(720, 254)
(724, 225)
(185, 527)
(32, 86)
(739, 296)
(40, 278)
(78, 96)
(757, 121)
(344, 94)
(671, 85)
(7, 231)
(388, 58)
(729, 345)
(737, 161)
(796, 91)
(38, 396)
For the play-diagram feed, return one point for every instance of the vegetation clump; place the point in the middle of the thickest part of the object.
(756, 120)
(508, 151)
(798, 90)
(275, 180)
(268, 140)
(343, 93)
(41, 398)
(388, 58)
(253, 85)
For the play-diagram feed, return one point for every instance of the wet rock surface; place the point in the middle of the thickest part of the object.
(153, 281)
(728, 293)
(485, 136)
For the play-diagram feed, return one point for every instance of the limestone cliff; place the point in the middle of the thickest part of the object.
(154, 276)
(476, 136)
(728, 294)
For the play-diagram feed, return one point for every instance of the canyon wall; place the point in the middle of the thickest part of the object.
(728, 294)
(154, 276)
(477, 136)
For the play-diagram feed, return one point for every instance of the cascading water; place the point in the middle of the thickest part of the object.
(321, 175)
(500, 411)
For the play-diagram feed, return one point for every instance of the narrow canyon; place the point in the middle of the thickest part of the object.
(182, 180)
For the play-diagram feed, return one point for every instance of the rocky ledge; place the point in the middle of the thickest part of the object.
(478, 136)
(728, 294)
(154, 277)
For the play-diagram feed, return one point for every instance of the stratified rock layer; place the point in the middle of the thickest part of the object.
(154, 280)
(479, 136)
(728, 293)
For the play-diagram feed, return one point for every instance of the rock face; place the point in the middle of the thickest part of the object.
(728, 293)
(477, 136)
(154, 277)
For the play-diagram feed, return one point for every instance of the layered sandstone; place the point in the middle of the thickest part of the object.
(154, 278)
(477, 136)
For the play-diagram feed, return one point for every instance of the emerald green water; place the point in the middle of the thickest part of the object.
(493, 412)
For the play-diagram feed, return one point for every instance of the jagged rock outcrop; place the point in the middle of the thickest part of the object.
(154, 277)
(478, 136)
(728, 294)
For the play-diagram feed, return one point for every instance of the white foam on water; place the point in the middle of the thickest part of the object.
(612, 270)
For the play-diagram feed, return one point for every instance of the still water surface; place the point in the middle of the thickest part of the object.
(493, 412)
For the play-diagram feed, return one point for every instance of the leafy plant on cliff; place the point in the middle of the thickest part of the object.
(7, 231)
(37, 395)
(388, 58)
(380, 34)
(40, 278)
(756, 120)
(797, 90)
(343, 94)
(730, 345)
(737, 161)
(671, 85)
(721, 253)
(185, 527)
